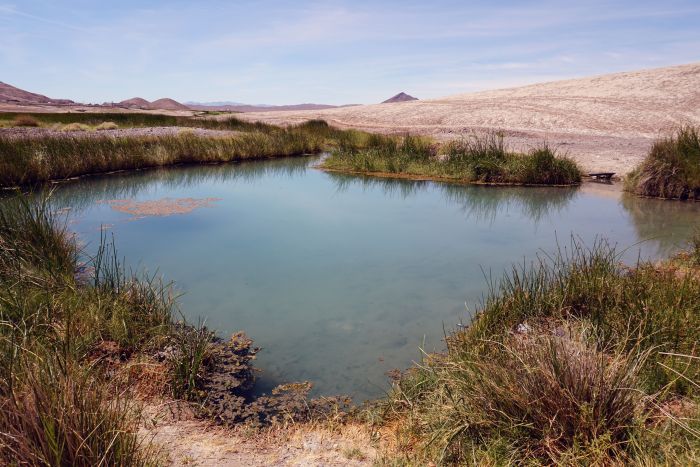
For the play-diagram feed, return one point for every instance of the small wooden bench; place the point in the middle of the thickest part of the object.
(602, 175)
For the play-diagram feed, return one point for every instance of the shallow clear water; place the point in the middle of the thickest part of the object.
(342, 278)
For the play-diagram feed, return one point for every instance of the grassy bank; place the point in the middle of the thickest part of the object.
(98, 120)
(83, 342)
(483, 159)
(60, 334)
(38, 158)
(27, 160)
(671, 169)
(92, 120)
(577, 360)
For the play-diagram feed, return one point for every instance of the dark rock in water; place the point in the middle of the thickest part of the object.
(228, 395)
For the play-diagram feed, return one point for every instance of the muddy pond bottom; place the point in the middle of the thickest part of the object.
(342, 278)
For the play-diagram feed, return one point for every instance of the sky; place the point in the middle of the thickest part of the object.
(331, 52)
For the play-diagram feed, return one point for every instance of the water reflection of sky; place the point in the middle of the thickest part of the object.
(341, 278)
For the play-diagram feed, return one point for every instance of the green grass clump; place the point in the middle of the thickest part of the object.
(571, 361)
(34, 159)
(65, 321)
(474, 160)
(28, 160)
(59, 415)
(671, 169)
(132, 120)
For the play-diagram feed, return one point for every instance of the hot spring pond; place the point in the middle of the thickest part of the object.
(342, 278)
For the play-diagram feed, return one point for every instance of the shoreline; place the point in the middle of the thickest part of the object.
(427, 178)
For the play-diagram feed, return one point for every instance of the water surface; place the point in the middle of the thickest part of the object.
(342, 278)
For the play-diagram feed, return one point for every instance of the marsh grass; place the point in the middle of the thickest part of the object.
(191, 350)
(131, 120)
(122, 119)
(64, 325)
(29, 160)
(61, 415)
(566, 362)
(479, 159)
(671, 169)
(695, 247)
(33, 159)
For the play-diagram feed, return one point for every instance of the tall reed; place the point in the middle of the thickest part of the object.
(480, 159)
(671, 169)
(567, 361)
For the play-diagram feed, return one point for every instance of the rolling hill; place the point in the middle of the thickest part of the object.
(605, 122)
(12, 95)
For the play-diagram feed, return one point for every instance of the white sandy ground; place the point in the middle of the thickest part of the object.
(605, 123)
(184, 441)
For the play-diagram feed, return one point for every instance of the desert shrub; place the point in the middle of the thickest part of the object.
(671, 169)
(107, 126)
(75, 127)
(25, 120)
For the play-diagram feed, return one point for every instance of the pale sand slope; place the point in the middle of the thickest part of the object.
(181, 440)
(606, 122)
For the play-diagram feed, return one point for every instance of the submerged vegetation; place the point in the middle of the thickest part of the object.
(479, 159)
(575, 360)
(671, 169)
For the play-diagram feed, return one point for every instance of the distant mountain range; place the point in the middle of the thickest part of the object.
(400, 97)
(12, 95)
(239, 107)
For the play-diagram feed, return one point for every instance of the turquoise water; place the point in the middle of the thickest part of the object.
(342, 278)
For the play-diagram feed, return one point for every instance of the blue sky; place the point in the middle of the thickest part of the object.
(329, 52)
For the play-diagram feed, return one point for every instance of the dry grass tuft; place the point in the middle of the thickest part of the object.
(107, 126)
(75, 127)
(25, 120)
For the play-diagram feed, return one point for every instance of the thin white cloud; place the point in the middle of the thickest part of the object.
(13, 10)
